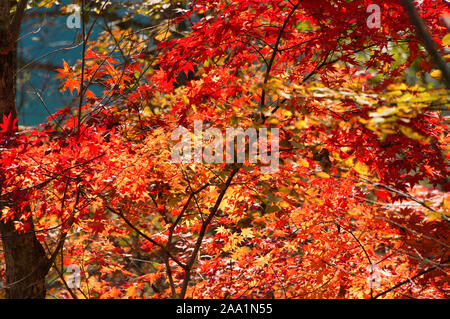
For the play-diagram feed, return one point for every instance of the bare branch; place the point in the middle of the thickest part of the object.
(17, 19)
(201, 235)
(409, 279)
(427, 40)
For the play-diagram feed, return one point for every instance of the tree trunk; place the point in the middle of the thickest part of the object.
(26, 264)
(8, 65)
(25, 258)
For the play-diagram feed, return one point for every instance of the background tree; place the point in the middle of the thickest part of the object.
(24, 254)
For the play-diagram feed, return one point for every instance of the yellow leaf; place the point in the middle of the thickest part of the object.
(247, 233)
(284, 189)
(436, 74)
(284, 204)
(409, 132)
(322, 175)
(162, 35)
(354, 212)
(349, 162)
(361, 168)
(222, 230)
(300, 125)
(302, 162)
(131, 291)
(446, 40)
(262, 261)
(46, 3)
(147, 111)
(240, 252)
(446, 203)
(396, 87)
(438, 215)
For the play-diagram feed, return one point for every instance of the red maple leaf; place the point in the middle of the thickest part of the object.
(8, 124)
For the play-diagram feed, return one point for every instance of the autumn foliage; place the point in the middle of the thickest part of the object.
(357, 209)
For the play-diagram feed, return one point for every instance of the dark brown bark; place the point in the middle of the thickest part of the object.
(8, 82)
(8, 63)
(25, 258)
(26, 264)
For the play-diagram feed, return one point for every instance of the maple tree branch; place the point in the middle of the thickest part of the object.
(315, 289)
(117, 43)
(63, 234)
(45, 182)
(180, 216)
(61, 275)
(325, 62)
(414, 232)
(28, 64)
(201, 235)
(154, 242)
(297, 45)
(163, 212)
(427, 40)
(83, 58)
(35, 231)
(169, 275)
(186, 177)
(399, 193)
(137, 80)
(357, 240)
(281, 283)
(44, 104)
(365, 252)
(272, 58)
(409, 279)
(85, 37)
(321, 65)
